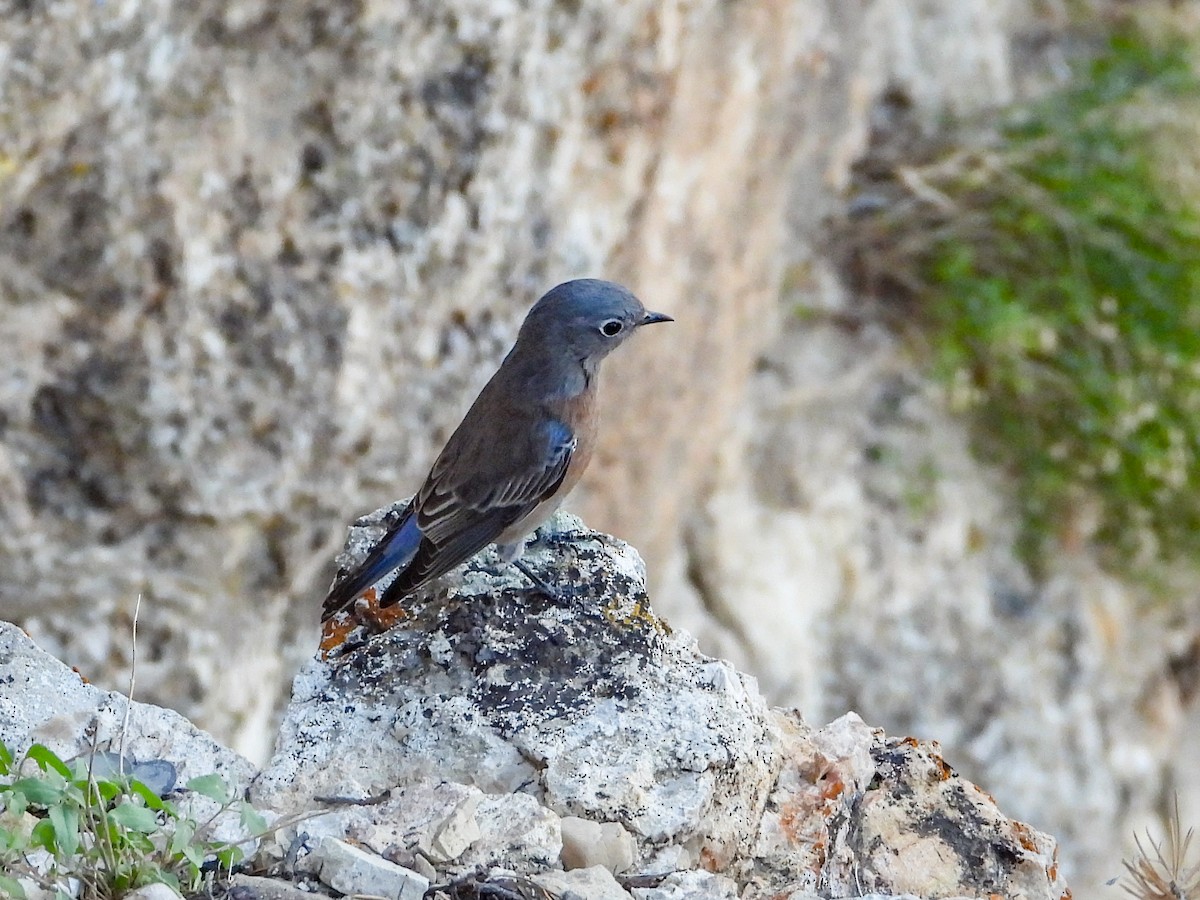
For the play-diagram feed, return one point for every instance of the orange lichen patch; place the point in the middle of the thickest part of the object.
(1023, 837)
(335, 631)
(945, 772)
(365, 611)
(791, 815)
(820, 846)
(82, 677)
(381, 618)
(982, 792)
(832, 786)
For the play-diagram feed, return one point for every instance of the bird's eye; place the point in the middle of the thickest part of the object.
(612, 327)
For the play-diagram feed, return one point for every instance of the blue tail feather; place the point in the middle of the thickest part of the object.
(395, 551)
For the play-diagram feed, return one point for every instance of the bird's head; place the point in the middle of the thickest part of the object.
(588, 317)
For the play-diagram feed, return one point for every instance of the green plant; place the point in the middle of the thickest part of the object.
(1051, 269)
(111, 833)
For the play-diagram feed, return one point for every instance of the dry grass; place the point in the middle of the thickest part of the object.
(1164, 872)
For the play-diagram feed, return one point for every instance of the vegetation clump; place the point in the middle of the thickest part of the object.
(1050, 269)
(69, 828)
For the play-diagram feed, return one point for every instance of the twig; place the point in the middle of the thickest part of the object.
(137, 608)
(355, 801)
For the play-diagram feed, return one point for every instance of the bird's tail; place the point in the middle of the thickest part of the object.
(394, 551)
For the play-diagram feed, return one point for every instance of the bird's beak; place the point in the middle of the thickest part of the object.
(652, 318)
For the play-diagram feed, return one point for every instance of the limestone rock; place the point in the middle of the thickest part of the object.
(694, 885)
(588, 843)
(43, 701)
(156, 891)
(595, 883)
(919, 828)
(595, 710)
(253, 887)
(350, 870)
(456, 832)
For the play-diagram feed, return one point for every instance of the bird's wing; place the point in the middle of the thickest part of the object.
(461, 510)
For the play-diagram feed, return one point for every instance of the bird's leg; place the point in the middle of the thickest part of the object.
(511, 553)
(540, 583)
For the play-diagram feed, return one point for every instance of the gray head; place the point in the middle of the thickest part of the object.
(588, 316)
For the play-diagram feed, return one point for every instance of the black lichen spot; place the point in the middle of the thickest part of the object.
(312, 159)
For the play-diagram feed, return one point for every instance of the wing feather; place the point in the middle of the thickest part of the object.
(459, 516)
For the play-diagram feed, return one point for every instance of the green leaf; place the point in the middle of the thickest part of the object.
(11, 887)
(138, 844)
(6, 759)
(252, 820)
(229, 856)
(41, 791)
(11, 839)
(134, 817)
(151, 799)
(214, 787)
(43, 836)
(16, 803)
(185, 831)
(108, 791)
(193, 855)
(65, 821)
(47, 759)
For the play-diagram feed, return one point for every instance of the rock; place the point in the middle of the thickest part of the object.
(604, 844)
(46, 702)
(457, 831)
(594, 883)
(919, 828)
(690, 886)
(252, 887)
(513, 828)
(510, 730)
(352, 871)
(156, 891)
(594, 709)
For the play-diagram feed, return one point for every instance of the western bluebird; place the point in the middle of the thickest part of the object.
(521, 447)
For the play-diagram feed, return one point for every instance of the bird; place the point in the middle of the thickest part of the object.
(521, 447)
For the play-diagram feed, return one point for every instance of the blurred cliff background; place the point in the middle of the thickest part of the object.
(919, 444)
